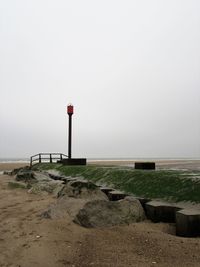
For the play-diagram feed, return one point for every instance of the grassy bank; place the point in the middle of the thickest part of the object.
(162, 184)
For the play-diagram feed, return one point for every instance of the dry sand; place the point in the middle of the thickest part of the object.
(27, 240)
(11, 166)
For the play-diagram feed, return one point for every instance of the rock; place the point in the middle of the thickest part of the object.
(72, 197)
(52, 187)
(82, 189)
(42, 177)
(29, 176)
(26, 176)
(26, 168)
(65, 207)
(101, 213)
(8, 172)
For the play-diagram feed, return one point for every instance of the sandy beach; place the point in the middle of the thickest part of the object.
(11, 166)
(27, 239)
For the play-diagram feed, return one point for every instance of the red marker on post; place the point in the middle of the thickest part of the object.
(70, 109)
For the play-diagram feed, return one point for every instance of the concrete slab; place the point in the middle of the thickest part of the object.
(72, 161)
(161, 212)
(116, 195)
(188, 223)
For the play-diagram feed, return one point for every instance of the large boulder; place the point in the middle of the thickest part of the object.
(72, 198)
(101, 213)
(65, 207)
(46, 187)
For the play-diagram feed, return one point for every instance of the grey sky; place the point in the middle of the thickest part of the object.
(131, 69)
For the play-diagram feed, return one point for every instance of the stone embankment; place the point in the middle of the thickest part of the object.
(92, 206)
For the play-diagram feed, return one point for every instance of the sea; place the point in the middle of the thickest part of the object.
(24, 160)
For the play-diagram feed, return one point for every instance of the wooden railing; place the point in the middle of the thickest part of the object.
(46, 157)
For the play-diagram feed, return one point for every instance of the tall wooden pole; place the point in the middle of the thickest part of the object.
(70, 111)
(70, 137)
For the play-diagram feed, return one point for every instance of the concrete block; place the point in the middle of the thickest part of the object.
(188, 223)
(116, 195)
(145, 165)
(80, 161)
(161, 212)
(143, 201)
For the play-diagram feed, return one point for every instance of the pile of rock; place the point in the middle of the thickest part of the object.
(39, 182)
(90, 207)
(84, 201)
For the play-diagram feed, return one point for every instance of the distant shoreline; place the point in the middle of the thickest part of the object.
(173, 164)
(27, 160)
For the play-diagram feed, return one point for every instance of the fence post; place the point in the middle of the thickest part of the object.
(50, 158)
(39, 158)
(60, 156)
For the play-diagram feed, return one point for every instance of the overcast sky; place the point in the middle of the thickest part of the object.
(131, 68)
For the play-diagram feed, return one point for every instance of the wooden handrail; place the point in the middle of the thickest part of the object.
(51, 156)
